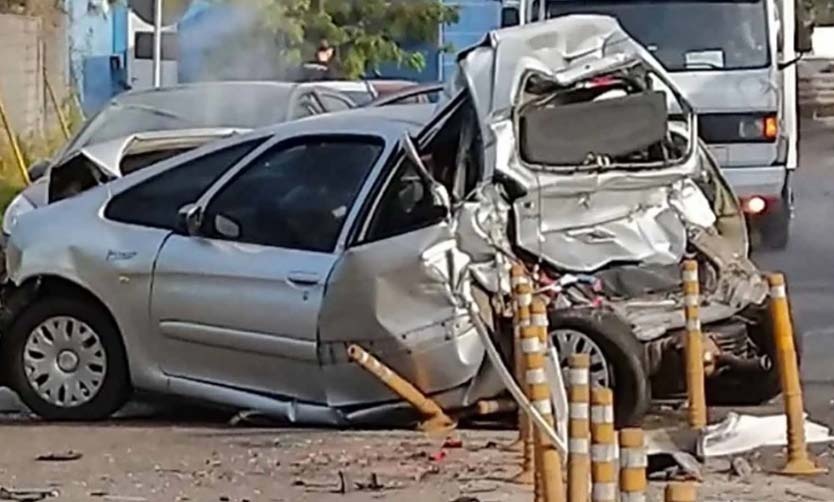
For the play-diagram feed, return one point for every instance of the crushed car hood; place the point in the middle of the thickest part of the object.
(108, 155)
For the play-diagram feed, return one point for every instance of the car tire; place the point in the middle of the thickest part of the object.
(623, 353)
(66, 340)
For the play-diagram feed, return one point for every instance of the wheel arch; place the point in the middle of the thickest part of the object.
(15, 300)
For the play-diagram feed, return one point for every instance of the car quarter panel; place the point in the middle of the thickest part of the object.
(112, 261)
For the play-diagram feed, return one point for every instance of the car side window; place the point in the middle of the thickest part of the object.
(407, 204)
(295, 195)
(334, 103)
(156, 202)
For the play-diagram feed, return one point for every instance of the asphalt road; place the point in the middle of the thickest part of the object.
(808, 264)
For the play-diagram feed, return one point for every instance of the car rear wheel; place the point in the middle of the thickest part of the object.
(67, 360)
(617, 358)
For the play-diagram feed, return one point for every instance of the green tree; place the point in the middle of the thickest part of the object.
(365, 33)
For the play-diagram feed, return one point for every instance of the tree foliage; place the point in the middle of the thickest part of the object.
(365, 33)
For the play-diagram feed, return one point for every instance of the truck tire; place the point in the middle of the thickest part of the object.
(622, 352)
(776, 230)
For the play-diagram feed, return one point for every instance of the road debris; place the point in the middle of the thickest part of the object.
(65, 456)
(27, 495)
(741, 467)
(743, 433)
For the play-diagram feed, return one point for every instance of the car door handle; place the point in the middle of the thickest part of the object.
(303, 279)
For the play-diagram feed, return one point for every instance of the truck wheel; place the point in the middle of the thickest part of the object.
(617, 358)
(776, 230)
(67, 360)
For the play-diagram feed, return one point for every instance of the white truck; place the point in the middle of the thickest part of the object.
(735, 61)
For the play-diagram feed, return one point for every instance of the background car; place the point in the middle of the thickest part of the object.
(139, 128)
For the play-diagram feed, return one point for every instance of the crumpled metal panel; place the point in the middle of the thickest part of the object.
(395, 298)
(108, 155)
(611, 219)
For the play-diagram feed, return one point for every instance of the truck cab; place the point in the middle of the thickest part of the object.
(735, 61)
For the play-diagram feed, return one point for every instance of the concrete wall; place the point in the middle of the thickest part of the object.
(21, 85)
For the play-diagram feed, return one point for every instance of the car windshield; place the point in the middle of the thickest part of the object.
(232, 106)
(688, 36)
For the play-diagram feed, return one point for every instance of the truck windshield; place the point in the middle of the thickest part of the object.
(687, 35)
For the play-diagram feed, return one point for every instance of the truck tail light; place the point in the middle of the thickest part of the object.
(770, 128)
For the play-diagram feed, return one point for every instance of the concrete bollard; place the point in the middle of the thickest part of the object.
(548, 462)
(523, 300)
(680, 492)
(579, 429)
(633, 463)
(694, 348)
(799, 462)
(603, 446)
(436, 419)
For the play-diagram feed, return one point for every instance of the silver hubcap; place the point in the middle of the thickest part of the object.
(65, 361)
(569, 342)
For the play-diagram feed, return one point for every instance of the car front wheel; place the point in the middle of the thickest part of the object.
(67, 360)
(617, 359)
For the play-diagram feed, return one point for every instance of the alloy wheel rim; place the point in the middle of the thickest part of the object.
(568, 341)
(65, 361)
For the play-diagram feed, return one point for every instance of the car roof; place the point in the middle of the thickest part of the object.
(232, 86)
(382, 121)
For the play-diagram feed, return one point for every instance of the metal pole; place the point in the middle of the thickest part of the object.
(522, 11)
(157, 44)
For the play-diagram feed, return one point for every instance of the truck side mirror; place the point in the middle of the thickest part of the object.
(804, 42)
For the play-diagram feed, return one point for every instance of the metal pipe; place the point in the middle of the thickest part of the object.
(18, 154)
(507, 377)
(157, 44)
(60, 114)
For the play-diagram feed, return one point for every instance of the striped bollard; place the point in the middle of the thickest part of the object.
(579, 429)
(680, 492)
(694, 348)
(523, 300)
(633, 463)
(518, 278)
(603, 446)
(549, 486)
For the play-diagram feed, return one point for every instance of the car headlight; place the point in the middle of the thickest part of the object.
(19, 206)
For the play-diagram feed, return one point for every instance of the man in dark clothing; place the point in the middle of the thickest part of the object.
(323, 66)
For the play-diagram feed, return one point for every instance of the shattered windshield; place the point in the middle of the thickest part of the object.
(232, 106)
(676, 32)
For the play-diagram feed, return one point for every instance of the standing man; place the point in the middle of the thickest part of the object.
(323, 66)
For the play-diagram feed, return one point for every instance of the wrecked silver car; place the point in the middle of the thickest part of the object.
(239, 273)
(139, 128)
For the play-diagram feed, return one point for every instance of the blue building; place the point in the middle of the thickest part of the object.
(97, 38)
(99, 42)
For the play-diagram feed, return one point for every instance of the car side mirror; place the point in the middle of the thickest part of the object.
(38, 169)
(189, 219)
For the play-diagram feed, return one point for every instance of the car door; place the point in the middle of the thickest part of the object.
(237, 304)
(393, 290)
